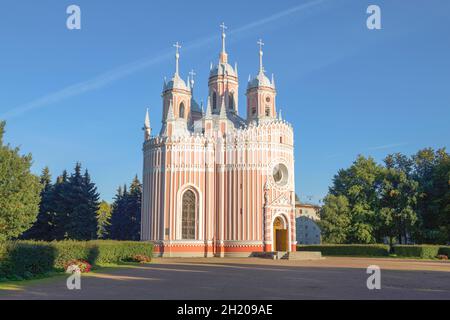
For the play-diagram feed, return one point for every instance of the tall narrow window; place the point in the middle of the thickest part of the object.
(214, 100)
(267, 111)
(181, 113)
(188, 216)
(231, 101)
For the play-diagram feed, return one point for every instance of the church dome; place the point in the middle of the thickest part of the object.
(222, 69)
(176, 83)
(261, 80)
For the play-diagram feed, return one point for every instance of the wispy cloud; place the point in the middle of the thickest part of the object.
(113, 75)
(387, 146)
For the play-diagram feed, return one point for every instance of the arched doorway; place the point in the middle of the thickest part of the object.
(188, 216)
(280, 235)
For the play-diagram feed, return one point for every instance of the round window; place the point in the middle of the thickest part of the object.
(280, 174)
(267, 99)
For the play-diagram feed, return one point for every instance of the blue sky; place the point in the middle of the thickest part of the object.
(81, 95)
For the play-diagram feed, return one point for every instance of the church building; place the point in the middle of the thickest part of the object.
(216, 183)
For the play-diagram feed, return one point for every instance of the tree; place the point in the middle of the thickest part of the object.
(335, 219)
(126, 212)
(103, 219)
(42, 229)
(118, 214)
(19, 191)
(83, 202)
(359, 184)
(60, 207)
(431, 171)
(134, 210)
(398, 198)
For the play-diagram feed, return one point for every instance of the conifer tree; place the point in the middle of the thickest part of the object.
(43, 227)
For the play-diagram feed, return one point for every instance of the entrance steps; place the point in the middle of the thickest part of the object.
(297, 255)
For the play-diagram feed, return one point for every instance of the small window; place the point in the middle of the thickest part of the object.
(267, 111)
(267, 99)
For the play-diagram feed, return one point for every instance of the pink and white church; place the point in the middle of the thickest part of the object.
(215, 183)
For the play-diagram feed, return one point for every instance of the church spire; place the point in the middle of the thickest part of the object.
(223, 58)
(177, 57)
(261, 67)
(147, 128)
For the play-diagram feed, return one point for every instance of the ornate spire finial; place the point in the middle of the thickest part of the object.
(261, 44)
(147, 128)
(223, 27)
(279, 115)
(192, 74)
(147, 120)
(177, 56)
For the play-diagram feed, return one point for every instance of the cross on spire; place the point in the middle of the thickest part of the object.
(261, 44)
(223, 27)
(192, 74)
(177, 56)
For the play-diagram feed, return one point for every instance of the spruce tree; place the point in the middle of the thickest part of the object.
(83, 202)
(60, 207)
(43, 227)
(126, 213)
(103, 220)
(134, 210)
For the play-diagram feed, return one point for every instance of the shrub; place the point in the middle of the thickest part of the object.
(25, 259)
(417, 251)
(444, 250)
(367, 250)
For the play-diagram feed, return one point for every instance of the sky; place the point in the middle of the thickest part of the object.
(81, 95)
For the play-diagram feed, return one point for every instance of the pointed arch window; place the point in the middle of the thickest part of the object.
(188, 216)
(214, 100)
(181, 110)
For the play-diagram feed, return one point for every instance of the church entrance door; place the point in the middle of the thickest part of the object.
(280, 235)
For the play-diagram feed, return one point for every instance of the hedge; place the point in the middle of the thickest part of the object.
(27, 259)
(445, 250)
(421, 251)
(367, 250)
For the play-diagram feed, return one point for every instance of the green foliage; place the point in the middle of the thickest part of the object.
(126, 213)
(103, 219)
(42, 228)
(335, 219)
(417, 251)
(406, 198)
(19, 191)
(398, 198)
(445, 250)
(68, 209)
(368, 250)
(352, 202)
(25, 259)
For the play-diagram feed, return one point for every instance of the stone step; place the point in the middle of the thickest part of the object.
(302, 255)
